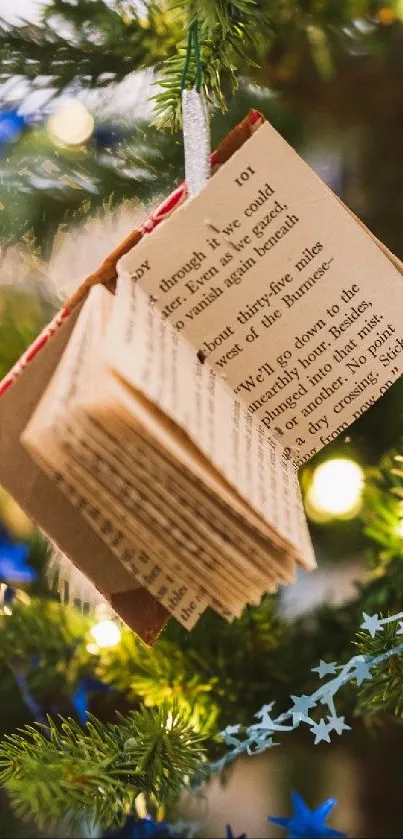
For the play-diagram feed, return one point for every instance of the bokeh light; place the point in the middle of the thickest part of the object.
(335, 490)
(13, 517)
(71, 124)
(106, 633)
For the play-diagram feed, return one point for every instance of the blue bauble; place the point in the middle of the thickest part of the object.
(12, 125)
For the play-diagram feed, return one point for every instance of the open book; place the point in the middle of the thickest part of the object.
(188, 490)
(252, 327)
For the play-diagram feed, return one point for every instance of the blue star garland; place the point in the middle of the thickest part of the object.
(258, 737)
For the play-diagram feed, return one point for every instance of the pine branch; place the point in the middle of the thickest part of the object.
(44, 187)
(229, 31)
(45, 643)
(95, 44)
(383, 694)
(98, 45)
(60, 774)
(163, 673)
(21, 317)
(383, 509)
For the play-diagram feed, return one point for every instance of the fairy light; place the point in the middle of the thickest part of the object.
(336, 489)
(71, 124)
(399, 529)
(106, 633)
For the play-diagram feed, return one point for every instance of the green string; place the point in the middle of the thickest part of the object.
(193, 43)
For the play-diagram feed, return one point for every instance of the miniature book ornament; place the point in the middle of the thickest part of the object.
(155, 429)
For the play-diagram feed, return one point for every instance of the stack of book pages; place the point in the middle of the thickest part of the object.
(158, 454)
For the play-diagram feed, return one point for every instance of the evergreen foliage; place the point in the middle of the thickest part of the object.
(226, 37)
(382, 695)
(60, 773)
(22, 315)
(96, 43)
(341, 59)
(178, 695)
(90, 41)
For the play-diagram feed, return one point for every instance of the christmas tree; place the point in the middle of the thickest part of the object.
(100, 731)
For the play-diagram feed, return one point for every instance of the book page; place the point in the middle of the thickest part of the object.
(148, 353)
(284, 293)
(211, 533)
(45, 438)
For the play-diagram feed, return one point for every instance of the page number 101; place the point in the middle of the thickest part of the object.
(244, 176)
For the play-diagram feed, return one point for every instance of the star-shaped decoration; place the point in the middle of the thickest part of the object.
(362, 671)
(400, 630)
(371, 624)
(141, 829)
(230, 739)
(266, 723)
(308, 824)
(321, 732)
(325, 668)
(256, 747)
(230, 730)
(338, 725)
(264, 711)
(229, 834)
(300, 708)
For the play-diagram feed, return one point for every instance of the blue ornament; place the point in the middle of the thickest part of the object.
(141, 829)
(12, 125)
(14, 566)
(80, 696)
(306, 823)
(229, 834)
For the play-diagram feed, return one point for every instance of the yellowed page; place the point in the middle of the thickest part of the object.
(44, 438)
(287, 296)
(150, 356)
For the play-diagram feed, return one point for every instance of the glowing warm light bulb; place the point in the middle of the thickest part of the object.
(106, 633)
(399, 529)
(71, 124)
(336, 488)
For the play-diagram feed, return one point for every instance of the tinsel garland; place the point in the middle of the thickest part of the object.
(258, 737)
